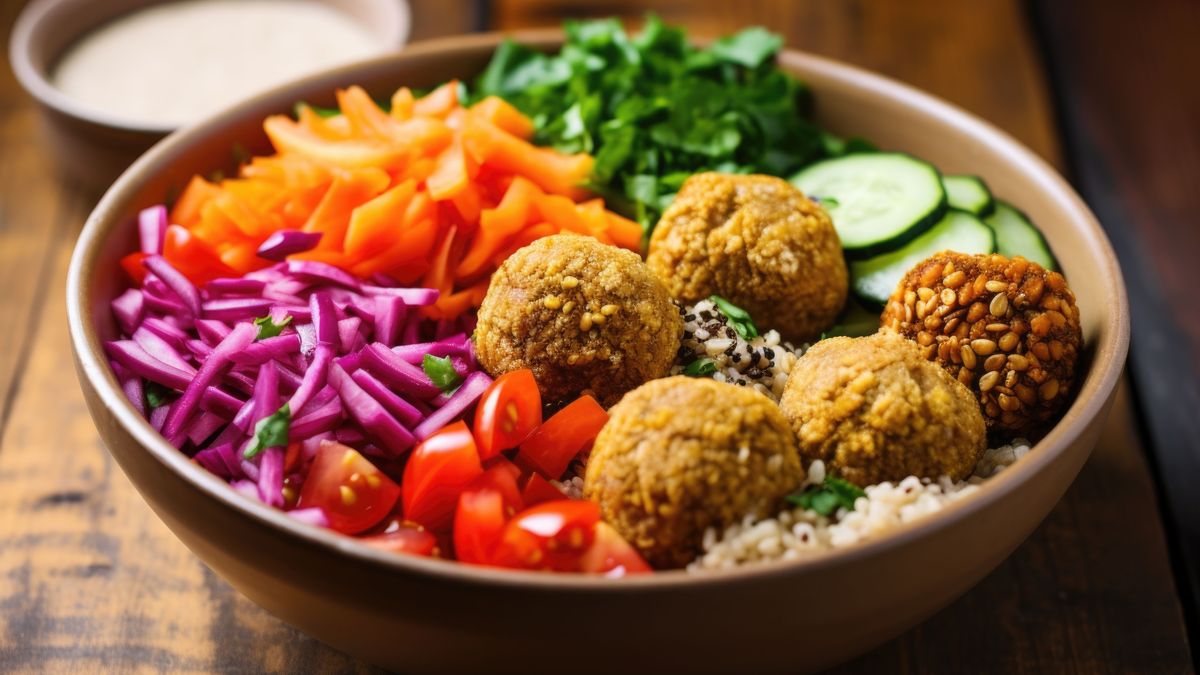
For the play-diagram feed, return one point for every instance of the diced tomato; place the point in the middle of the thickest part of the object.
(132, 264)
(291, 459)
(554, 444)
(549, 536)
(438, 470)
(538, 490)
(611, 555)
(405, 537)
(500, 475)
(507, 413)
(478, 525)
(353, 493)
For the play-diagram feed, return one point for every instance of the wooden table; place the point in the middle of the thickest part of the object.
(91, 581)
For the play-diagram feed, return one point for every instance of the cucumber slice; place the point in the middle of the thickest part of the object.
(874, 280)
(878, 201)
(1015, 235)
(970, 194)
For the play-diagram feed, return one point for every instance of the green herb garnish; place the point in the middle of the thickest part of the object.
(652, 109)
(271, 431)
(827, 497)
(321, 112)
(737, 317)
(701, 367)
(157, 395)
(441, 371)
(750, 48)
(267, 328)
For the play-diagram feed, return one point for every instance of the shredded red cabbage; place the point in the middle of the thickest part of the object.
(339, 359)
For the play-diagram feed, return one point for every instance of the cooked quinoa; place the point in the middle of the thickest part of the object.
(797, 533)
(762, 363)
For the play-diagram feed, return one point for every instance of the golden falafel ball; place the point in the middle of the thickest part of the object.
(874, 409)
(1006, 328)
(585, 317)
(758, 242)
(680, 455)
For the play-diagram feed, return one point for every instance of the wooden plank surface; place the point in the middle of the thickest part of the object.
(1132, 126)
(91, 581)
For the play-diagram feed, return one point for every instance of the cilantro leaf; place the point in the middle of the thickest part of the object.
(750, 48)
(157, 395)
(441, 371)
(321, 112)
(271, 431)
(701, 367)
(828, 497)
(737, 317)
(267, 328)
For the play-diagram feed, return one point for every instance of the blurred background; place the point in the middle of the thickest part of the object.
(1109, 93)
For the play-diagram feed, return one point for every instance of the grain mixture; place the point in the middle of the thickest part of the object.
(761, 363)
(798, 533)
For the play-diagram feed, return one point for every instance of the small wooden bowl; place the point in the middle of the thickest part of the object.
(417, 615)
(92, 147)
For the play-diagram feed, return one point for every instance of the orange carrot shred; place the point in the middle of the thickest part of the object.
(427, 192)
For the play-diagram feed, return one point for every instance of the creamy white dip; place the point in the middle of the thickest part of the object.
(176, 63)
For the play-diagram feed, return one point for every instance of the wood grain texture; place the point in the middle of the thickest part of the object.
(1132, 126)
(25, 209)
(91, 581)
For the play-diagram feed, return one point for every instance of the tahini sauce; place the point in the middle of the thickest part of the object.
(178, 62)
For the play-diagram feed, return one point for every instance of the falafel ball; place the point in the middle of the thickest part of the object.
(758, 242)
(584, 316)
(680, 455)
(1006, 328)
(874, 409)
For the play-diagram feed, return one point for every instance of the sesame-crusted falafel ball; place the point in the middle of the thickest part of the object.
(680, 455)
(758, 242)
(1006, 328)
(585, 317)
(874, 409)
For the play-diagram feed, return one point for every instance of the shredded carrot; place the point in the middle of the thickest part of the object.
(427, 191)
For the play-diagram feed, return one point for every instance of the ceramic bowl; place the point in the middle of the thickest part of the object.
(419, 615)
(92, 146)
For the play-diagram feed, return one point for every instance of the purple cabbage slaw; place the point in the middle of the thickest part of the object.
(291, 355)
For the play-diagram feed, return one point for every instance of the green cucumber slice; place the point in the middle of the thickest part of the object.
(1016, 235)
(878, 201)
(874, 280)
(970, 194)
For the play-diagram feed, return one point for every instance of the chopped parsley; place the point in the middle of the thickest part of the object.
(828, 497)
(267, 328)
(321, 112)
(441, 371)
(701, 367)
(271, 431)
(157, 395)
(736, 316)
